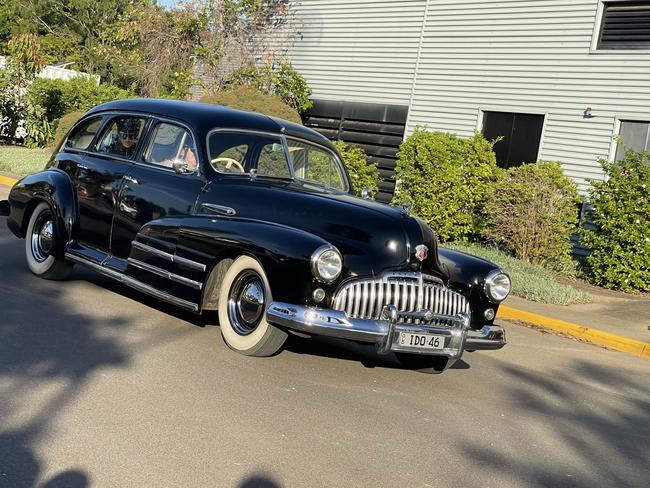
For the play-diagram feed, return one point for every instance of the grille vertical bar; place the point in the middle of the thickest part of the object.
(366, 298)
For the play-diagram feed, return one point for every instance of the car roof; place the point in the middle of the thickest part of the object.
(205, 117)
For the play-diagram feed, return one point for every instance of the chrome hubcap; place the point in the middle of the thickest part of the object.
(42, 237)
(246, 302)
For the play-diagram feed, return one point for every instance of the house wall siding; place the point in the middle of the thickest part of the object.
(361, 51)
(532, 56)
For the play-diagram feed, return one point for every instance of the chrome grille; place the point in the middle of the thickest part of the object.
(409, 292)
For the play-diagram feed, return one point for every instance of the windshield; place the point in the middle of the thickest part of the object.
(240, 152)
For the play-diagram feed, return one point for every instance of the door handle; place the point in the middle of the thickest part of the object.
(131, 179)
(219, 209)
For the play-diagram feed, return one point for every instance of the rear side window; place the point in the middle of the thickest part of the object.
(82, 136)
(121, 137)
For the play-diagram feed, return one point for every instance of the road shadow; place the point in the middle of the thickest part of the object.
(366, 354)
(259, 481)
(48, 352)
(81, 273)
(609, 442)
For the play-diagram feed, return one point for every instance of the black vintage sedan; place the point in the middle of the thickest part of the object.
(210, 208)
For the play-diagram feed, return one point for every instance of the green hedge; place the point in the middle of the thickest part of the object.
(531, 211)
(620, 212)
(59, 97)
(253, 100)
(446, 179)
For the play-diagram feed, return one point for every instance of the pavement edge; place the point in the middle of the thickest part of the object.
(595, 336)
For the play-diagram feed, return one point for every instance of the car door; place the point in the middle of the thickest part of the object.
(98, 177)
(153, 190)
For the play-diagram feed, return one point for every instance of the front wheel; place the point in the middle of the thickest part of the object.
(40, 241)
(243, 299)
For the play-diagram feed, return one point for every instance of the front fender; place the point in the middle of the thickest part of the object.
(467, 274)
(284, 252)
(54, 187)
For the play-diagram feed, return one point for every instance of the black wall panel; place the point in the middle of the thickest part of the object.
(378, 129)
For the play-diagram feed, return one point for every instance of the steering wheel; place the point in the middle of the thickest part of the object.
(229, 162)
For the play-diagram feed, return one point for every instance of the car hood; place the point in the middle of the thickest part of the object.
(373, 237)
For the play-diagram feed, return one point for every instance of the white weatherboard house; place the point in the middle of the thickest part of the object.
(558, 79)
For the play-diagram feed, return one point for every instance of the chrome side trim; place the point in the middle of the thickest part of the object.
(169, 257)
(135, 284)
(165, 274)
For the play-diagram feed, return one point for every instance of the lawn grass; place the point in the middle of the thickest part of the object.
(22, 161)
(528, 281)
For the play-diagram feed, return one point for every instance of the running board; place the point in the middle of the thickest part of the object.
(133, 283)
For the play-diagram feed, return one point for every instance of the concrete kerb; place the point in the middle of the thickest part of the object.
(7, 181)
(595, 336)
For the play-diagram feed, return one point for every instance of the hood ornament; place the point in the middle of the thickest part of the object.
(421, 252)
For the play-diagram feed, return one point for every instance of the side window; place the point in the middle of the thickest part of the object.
(171, 143)
(121, 137)
(311, 163)
(82, 135)
(272, 161)
(635, 135)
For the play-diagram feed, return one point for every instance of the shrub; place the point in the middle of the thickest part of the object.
(363, 173)
(64, 125)
(532, 211)
(620, 212)
(445, 178)
(282, 80)
(248, 98)
(58, 97)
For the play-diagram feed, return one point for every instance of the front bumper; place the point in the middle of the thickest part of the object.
(385, 332)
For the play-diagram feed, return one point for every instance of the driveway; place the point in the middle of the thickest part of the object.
(102, 386)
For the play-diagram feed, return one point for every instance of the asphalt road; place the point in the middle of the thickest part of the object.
(102, 386)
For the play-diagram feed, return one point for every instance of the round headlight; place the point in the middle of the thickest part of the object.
(497, 286)
(326, 263)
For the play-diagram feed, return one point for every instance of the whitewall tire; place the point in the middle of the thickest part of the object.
(243, 298)
(40, 240)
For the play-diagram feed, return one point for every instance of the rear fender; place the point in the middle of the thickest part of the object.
(54, 187)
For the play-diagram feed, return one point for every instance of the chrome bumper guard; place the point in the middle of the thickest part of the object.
(384, 333)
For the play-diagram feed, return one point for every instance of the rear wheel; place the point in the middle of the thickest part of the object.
(424, 363)
(243, 299)
(40, 241)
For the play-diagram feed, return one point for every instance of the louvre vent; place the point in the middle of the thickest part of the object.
(626, 25)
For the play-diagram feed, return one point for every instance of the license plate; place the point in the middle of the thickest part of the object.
(421, 341)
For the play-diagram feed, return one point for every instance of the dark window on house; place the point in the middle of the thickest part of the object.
(634, 135)
(520, 136)
(625, 25)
